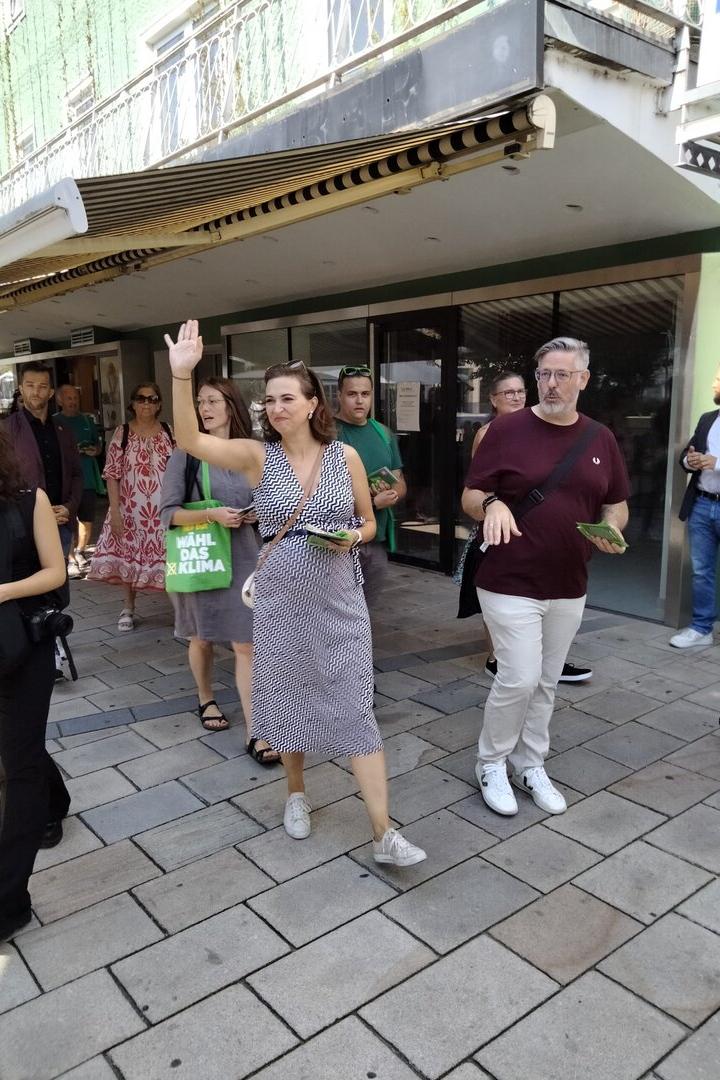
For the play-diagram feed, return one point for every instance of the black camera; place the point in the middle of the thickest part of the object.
(48, 623)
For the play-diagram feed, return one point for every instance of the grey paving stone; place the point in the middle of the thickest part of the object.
(541, 857)
(231, 778)
(616, 669)
(701, 756)
(180, 682)
(584, 1019)
(445, 1013)
(398, 686)
(77, 840)
(692, 835)
(124, 696)
(618, 705)
(197, 835)
(423, 791)
(16, 983)
(695, 675)
(95, 788)
(474, 809)
(142, 811)
(704, 907)
(162, 707)
(83, 687)
(89, 879)
(68, 742)
(709, 696)
(114, 677)
(95, 1069)
(321, 900)
(102, 754)
(666, 788)
(164, 731)
(406, 751)
(682, 719)
(163, 765)
(177, 972)
(201, 889)
(585, 771)
(453, 731)
(461, 764)
(229, 743)
(604, 822)
(643, 881)
(447, 841)
(570, 727)
(97, 721)
(449, 909)
(325, 783)
(107, 1018)
(335, 830)
(348, 1051)
(439, 672)
(230, 1035)
(88, 940)
(448, 652)
(310, 988)
(655, 686)
(566, 932)
(696, 1058)
(397, 663)
(574, 693)
(675, 965)
(403, 716)
(634, 745)
(454, 697)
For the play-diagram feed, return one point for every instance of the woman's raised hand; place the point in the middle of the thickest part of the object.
(185, 353)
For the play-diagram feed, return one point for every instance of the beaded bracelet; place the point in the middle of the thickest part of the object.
(488, 501)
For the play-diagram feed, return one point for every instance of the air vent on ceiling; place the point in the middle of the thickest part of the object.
(28, 346)
(84, 335)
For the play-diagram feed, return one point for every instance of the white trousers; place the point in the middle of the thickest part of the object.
(531, 640)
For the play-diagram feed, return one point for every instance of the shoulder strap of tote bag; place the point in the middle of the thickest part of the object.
(205, 481)
(308, 492)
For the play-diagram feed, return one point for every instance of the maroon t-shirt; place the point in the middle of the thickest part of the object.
(549, 560)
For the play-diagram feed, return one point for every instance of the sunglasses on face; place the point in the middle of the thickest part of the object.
(147, 399)
(363, 370)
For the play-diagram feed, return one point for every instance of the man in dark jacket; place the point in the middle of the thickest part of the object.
(46, 450)
(701, 509)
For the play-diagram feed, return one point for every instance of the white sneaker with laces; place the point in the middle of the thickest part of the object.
(296, 818)
(688, 637)
(495, 787)
(537, 784)
(395, 850)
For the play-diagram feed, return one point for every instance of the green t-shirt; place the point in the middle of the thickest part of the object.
(375, 452)
(85, 431)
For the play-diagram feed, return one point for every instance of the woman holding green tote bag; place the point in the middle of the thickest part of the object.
(214, 615)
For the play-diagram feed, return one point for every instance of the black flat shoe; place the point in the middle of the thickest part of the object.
(52, 835)
(10, 924)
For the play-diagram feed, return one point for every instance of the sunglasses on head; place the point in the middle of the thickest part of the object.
(147, 399)
(363, 370)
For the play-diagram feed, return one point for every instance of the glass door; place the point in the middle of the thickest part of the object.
(415, 369)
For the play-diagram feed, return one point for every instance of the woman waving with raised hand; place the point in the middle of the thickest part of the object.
(312, 683)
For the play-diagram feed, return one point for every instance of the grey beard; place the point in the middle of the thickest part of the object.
(555, 408)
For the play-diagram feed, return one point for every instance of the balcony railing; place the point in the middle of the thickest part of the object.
(253, 57)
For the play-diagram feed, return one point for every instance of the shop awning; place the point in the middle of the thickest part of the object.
(137, 220)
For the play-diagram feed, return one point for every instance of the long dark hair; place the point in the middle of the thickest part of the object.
(136, 389)
(322, 424)
(10, 481)
(240, 423)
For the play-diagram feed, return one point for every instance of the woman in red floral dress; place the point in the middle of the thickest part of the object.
(130, 550)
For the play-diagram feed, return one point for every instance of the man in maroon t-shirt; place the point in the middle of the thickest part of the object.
(533, 578)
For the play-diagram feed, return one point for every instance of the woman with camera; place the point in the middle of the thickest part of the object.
(36, 799)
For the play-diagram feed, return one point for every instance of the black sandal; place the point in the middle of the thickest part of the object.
(261, 755)
(222, 723)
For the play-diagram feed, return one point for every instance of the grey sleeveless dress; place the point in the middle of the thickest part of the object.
(312, 666)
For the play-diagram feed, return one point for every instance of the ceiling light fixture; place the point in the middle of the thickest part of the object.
(55, 215)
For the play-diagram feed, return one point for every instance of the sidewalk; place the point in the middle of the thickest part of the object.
(179, 933)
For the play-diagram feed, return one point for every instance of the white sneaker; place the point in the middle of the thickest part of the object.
(395, 850)
(537, 784)
(688, 637)
(296, 818)
(495, 787)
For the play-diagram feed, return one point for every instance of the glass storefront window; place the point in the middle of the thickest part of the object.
(249, 356)
(327, 347)
(8, 384)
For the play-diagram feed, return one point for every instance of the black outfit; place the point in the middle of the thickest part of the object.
(35, 792)
(699, 441)
(46, 437)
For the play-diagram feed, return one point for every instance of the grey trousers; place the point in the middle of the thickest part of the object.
(374, 562)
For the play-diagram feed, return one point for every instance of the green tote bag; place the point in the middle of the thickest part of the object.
(198, 557)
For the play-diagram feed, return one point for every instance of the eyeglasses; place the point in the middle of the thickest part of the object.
(510, 393)
(561, 376)
(147, 399)
(209, 401)
(363, 370)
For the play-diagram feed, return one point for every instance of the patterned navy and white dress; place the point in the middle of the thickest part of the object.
(312, 684)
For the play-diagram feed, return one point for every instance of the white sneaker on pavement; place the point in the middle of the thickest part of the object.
(495, 787)
(395, 850)
(296, 818)
(537, 784)
(688, 637)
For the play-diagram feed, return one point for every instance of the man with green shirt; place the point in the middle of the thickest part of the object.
(88, 443)
(378, 449)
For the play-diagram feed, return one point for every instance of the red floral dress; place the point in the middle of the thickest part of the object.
(137, 558)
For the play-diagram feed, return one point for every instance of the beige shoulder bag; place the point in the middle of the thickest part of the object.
(248, 589)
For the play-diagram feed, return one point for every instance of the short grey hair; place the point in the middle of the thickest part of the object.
(568, 345)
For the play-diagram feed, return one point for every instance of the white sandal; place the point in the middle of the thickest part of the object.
(126, 621)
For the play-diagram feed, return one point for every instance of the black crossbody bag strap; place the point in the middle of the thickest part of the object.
(561, 470)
